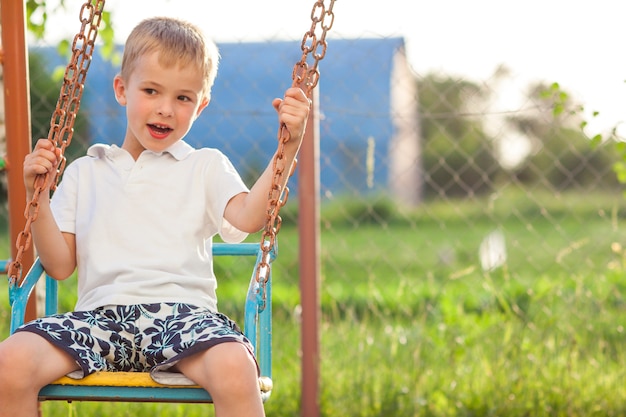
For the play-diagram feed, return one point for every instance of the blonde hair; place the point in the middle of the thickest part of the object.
(177, 42)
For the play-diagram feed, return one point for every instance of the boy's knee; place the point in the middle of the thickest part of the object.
(230, 365)
(235, 358)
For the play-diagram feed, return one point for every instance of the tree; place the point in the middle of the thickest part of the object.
(38, 11)
(561, 156)
(458, 156)
(44, 94)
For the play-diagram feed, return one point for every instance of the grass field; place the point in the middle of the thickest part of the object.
(413, 326)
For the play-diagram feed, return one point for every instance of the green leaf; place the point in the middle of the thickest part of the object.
(558, 109)
(64, 48)
(596, 141)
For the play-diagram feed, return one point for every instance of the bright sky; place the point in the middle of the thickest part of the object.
(579, 44)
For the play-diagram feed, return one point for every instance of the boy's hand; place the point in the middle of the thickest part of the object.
(43, 159)
(293, 112)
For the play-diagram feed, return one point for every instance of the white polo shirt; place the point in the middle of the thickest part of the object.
(144, 228)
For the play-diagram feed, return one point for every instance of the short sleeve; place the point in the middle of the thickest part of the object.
(225, 183)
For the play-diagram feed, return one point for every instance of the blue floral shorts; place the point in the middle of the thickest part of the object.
(144, 337)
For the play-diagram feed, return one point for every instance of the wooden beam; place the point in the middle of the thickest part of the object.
(17, 122)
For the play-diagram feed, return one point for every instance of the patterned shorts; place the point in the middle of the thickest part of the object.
(144, 337)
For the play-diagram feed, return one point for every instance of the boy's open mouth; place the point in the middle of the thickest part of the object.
(159, 129)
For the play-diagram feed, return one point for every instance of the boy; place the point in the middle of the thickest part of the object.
(137, 223)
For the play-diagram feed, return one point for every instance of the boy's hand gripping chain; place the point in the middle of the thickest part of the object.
(62, 121)
(306, 77)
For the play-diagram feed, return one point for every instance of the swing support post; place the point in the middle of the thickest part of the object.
(17, 122)
(309, 259)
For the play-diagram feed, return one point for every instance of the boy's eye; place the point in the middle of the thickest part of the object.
(184, 98)
(149, 91)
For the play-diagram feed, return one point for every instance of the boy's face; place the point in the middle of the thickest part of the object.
(161, 104)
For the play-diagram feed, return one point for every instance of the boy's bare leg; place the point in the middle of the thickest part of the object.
(229, 374)
(27, 363)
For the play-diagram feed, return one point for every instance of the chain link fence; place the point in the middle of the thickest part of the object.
(432, 203)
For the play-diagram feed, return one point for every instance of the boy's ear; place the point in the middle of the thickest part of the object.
(119, 89)
(203, 104)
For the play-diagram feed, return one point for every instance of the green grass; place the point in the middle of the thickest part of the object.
(412, 325)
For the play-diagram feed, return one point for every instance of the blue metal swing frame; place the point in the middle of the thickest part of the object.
(138, 387)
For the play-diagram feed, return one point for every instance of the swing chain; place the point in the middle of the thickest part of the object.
(62, 121)
(305, 76)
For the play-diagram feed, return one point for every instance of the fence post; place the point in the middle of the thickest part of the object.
(309, 257)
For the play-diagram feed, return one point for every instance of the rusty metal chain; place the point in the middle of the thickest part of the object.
(62, 120)
(306, 76)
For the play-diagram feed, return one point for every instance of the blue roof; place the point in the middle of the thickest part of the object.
(354, 105)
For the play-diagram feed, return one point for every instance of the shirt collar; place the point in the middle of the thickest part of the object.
(179, 150)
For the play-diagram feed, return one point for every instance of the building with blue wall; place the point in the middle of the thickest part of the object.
(369, 135)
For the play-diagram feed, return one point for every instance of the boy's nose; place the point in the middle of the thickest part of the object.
(165, 109)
